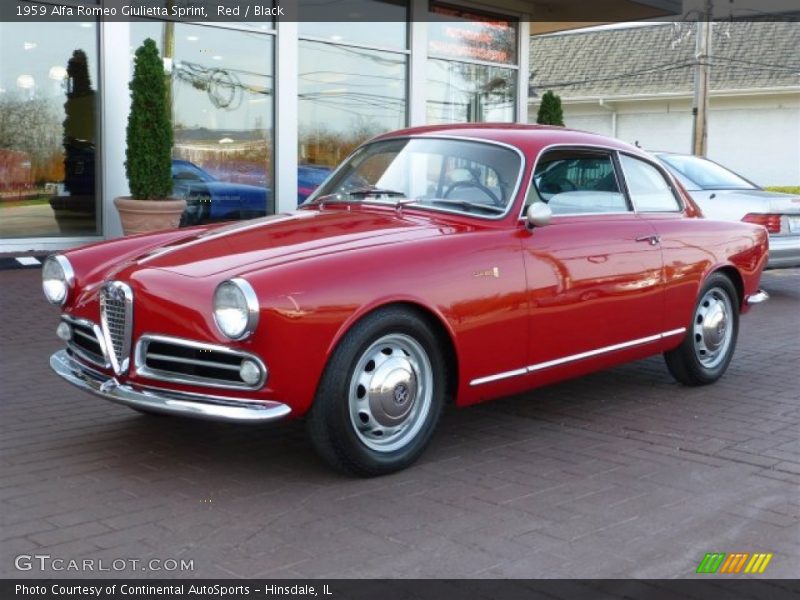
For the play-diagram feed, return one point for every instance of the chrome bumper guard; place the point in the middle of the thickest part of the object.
(758, 298)
(171, 402)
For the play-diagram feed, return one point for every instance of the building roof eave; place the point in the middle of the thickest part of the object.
(680, 95)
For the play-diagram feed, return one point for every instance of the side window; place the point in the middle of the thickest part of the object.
(577, 181)
(649, 190)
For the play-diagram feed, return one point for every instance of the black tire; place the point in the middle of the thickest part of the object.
(331, 423)
(692, 362)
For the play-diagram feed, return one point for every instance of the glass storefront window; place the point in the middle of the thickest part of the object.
(346, 95)
(379, 23)
(222, 94)
(463, 92)
(469, 35)
(49, 104)
(471, 66)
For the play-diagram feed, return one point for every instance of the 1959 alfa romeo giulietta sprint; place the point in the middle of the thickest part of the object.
(450, 263)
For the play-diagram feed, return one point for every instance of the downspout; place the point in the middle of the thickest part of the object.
(613, 110)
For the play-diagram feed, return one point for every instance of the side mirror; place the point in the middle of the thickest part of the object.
(538, 215)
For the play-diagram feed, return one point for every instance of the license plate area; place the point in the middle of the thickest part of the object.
(794, 225)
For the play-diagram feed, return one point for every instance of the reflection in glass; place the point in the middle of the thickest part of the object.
(441, 174)
(214, 11)
(470, 35)
(463, 92)
(347, 95)
(221, 88)
(379, 23)
(48, 130)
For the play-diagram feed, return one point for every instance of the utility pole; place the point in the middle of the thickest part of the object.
(701, 80)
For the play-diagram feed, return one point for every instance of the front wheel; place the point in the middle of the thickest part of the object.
(710, 340)
(381, 395)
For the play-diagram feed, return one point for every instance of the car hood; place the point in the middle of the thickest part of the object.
(249, 245)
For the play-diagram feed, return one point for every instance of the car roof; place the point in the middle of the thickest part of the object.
(523, 136)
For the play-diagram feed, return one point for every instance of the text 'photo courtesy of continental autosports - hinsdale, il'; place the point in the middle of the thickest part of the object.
(442, 264)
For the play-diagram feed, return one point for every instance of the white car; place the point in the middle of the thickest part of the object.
(724, 195)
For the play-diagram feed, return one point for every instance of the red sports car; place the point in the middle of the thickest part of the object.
(437, 264)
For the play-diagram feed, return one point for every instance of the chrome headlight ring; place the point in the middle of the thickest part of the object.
(58, 278)
(235, 309)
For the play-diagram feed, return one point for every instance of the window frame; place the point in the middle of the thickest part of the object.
(664, 174)
(517, 68)
(590, 149)
(621, 180)
(498, 217)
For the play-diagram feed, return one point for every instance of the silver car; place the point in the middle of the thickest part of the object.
(724, 195)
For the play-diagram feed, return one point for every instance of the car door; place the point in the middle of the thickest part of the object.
(594, 272)
(684, 242)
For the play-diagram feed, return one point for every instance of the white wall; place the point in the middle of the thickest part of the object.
(756, 136)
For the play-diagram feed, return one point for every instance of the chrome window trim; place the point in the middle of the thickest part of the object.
(98, 333)
(436, 136)
(253, 308)
(120, 365)
(619, 175)
(160, 375)
(664, 173)
(575, 357)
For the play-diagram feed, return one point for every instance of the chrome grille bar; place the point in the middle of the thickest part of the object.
(116, 318)
(191, 361)
(179, 360)
(87, 341)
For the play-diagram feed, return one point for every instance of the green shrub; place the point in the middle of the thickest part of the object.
(786, 189)
(550, 111)
(149, 134)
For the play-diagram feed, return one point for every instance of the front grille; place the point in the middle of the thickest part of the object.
(186, 361)
(116, 316)
(85, 341)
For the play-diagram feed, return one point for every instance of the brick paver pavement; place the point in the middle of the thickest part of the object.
(619, 474)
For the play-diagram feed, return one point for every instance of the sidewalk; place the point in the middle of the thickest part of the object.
(619, 474)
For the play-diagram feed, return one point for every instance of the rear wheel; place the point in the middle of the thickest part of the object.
(381, 395)
(710, 341)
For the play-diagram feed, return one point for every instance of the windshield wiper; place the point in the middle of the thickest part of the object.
(373, 191)
(467, 204)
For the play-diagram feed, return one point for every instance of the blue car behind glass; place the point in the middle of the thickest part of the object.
(208, 199)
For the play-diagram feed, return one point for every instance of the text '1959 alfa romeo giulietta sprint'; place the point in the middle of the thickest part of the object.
(447, 263)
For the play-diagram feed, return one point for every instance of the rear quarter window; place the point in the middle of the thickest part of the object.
(647, 186)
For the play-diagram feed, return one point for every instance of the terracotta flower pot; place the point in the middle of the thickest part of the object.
(141, 216)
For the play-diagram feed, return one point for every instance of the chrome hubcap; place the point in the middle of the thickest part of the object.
(390, 392)
(713, 330)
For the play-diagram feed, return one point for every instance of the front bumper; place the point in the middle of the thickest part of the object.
(171, 402)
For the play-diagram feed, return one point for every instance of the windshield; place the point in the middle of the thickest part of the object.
(453, 175)
(700, 174)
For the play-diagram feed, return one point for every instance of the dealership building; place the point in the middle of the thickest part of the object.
(260, 109)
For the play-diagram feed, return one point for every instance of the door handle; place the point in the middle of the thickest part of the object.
(653, 240)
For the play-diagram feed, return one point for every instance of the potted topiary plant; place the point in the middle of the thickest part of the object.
(148, 154)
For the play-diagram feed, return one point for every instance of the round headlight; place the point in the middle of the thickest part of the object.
(236, 309)
(57, 279)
